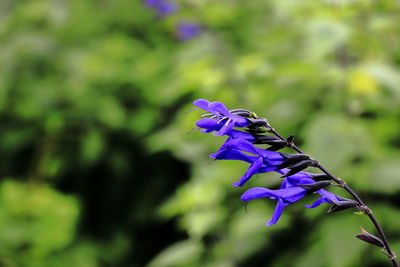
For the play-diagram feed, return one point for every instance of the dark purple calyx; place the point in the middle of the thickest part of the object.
(369, 238)
(342, 205)
(311, 188)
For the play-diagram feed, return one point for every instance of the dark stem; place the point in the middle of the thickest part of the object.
(362, 205)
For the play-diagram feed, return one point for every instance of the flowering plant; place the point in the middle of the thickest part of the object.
(245, 130)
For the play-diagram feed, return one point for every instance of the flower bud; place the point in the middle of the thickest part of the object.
(369, 238)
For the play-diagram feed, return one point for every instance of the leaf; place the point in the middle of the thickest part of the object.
(369, 238)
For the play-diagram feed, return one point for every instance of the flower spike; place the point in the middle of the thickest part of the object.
(246, 145)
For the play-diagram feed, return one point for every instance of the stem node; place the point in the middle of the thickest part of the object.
(341, 182)
(315, 163)
(365, 209)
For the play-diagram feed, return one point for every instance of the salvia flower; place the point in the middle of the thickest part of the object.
(188, 30)
(163, 7)
(227, 119)
(293, 189)
(208, 125)
(262, 161)
(285, 197)
(303, 178)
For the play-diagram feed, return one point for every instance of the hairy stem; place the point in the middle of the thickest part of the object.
(364, 207)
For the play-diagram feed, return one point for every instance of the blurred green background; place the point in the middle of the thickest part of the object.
(96, 165)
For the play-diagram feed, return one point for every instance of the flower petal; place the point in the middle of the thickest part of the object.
(291, 194)
(285, 184)
(202, 103)
(228, 126)
(288, 195)
(243, 145)
(277, 212)
(318, 202)
(231, 154)
(271, 155)
(220, 108)
(255, 193)
(326, 197)
(208, 125)
(235, 134)
(253, 169)
(266, 168)
(298, 181)
(329, 196)
(298, 175)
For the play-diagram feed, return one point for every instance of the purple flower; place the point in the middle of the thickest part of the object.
(188, 30)
(227, 120)
(293, 189)
(308, 178)
(210, 125)
(164, 7)
(326, 197)
(262, 161)
(296, 179)
(284, 196)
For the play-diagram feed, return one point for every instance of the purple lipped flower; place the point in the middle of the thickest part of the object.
(293, 189)
(284, 196)
(227, 119)
(262, 161)
(295, 179)
(326, 197)
(244, 145)
(163, 7)
(307, 178)
(208, 125)
(188, 30)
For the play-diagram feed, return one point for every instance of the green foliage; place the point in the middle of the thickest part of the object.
(35, 220)
(97, 170)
